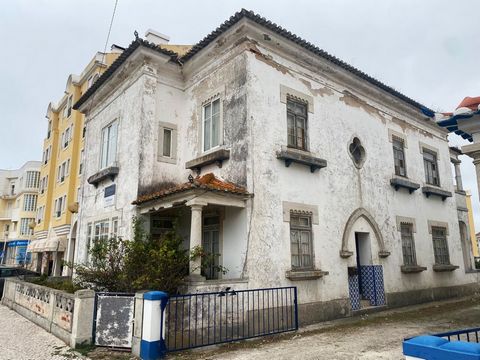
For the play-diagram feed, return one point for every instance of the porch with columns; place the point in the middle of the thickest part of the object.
(208, 218)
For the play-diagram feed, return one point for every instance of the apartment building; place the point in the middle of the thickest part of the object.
(18, 201)
(61, 170)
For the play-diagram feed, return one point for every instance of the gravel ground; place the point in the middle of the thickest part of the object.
(23, 340)
(377, 336)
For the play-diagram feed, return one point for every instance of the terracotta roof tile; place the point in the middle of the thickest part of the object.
(206, 182)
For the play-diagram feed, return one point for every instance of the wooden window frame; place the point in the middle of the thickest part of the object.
(296, 231)
(432, 176)
(292, 131)
(440, 245)
(398, 146)
(408, 244)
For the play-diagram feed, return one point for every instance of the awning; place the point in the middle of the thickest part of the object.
(36, 246)
(57, 243)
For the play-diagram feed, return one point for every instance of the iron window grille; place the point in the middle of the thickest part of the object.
(408, 244)
(440, 246)
(297, 124)
(431, 168)
(399, 157)
(301, 241)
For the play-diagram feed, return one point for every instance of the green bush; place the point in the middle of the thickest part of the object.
(143, 263)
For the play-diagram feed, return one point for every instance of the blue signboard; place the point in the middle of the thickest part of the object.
(17, 243)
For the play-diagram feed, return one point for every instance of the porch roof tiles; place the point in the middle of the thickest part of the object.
(206, 182)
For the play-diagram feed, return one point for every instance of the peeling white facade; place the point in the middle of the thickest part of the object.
(252, 70)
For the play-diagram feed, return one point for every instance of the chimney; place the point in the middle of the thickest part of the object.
(156, 37)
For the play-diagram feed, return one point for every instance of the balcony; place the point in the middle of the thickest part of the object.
(6, 215)
(15, 214)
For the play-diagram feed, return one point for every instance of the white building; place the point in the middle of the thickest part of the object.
(18, 201)
(301, 167)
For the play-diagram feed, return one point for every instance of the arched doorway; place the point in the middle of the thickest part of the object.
(365, 276)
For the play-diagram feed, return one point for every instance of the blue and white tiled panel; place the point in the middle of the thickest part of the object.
(372, 287)
(354, 292)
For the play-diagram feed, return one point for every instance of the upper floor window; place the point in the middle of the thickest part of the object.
(63, 171)
(297, 124)
(12, 189)
(440, 246)
(25, 226)
(49, 130)
(80, 166)
(67, 111)
(29, 202)
(40, 214)
(109, 145)
(408, 244)
(59, 206)
(43, 184)
(399, 156)
(32, 180)
(211, 125)
(301, 241)
(431, 167)
(167, 142)
(92, 79)
(67, 137)
(46, 154)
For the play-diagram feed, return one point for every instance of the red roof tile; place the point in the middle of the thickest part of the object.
(206, 182)
(470, 102)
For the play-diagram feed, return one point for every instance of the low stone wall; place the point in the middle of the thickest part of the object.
(67, 316)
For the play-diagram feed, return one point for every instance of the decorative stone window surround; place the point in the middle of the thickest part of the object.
(286, 92)
(393, 133)
(406, 220)
(311, 210)
(434, 223)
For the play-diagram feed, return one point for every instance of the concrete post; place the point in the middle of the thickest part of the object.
(82, 324)
(137, 323)
(196, 240)
(153, 345)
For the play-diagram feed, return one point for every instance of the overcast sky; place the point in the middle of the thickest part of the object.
(428, 49)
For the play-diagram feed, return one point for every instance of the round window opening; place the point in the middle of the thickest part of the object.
(357, 152)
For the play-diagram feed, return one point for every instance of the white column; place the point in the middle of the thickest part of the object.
(196, 239)
(458, 175)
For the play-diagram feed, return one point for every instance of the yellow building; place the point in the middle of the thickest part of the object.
(18, 201)
(61, 171)
(471, 225)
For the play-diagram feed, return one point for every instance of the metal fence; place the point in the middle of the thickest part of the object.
(113, 319)
(202, 319)
(469, 335)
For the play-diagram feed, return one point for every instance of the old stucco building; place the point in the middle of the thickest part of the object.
(295, 167)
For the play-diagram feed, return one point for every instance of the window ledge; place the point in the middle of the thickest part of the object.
(301, 157)
(110, 172)
(217, 157)
(431, 190)
(412, 269)
(443, 268)
(398, 183)
(461, 192)
(296, 275)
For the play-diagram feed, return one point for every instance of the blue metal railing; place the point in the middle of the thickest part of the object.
(469, 335)
(202, 319)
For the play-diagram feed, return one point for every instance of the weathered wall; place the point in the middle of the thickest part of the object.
(57, 312)
(338, 190)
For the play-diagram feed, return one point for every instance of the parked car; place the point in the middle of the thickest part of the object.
(8, 271)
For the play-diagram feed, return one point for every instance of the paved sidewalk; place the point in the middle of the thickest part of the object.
(373, 337)
(23, 340)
